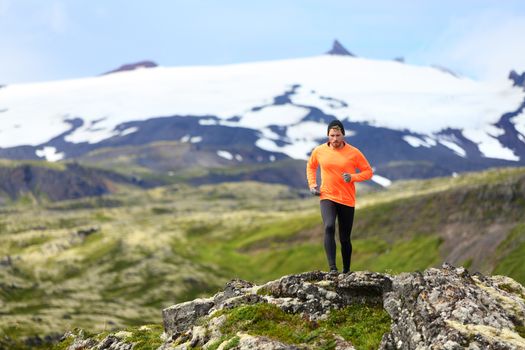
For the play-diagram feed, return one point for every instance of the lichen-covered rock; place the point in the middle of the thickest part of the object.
(448, 308)
(80, 344)
(313, 295)
(301, 294)
(363, 286)
(250, 342)
(178, 318)
(111, 342)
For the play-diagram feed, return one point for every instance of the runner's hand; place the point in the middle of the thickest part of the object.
(315, 191)
(347, 177)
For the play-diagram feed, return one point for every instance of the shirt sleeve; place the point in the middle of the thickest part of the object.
(364, 167)
(311, 169)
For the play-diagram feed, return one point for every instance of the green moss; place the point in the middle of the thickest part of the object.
(269, 320)
(64, 344)
(233, 342)
(362, 325)
(146, 337)
(218, 342)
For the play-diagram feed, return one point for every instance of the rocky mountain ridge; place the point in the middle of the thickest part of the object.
(439, 308)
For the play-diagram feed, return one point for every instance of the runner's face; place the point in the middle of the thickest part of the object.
(336, 138)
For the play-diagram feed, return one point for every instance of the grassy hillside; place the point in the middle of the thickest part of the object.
(41, 182)
(116, 261)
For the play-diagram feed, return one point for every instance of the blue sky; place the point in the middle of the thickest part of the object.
(60, 39)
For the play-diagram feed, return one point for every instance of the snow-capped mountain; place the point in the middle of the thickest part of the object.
(410, 121)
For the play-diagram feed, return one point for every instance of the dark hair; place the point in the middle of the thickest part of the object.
(335, 124)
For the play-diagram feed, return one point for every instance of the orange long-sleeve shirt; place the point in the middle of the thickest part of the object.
(335, 162)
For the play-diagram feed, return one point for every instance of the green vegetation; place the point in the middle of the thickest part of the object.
(513, 252)
(145, 337)
(413, 254)
(149, 249)
(362, 325)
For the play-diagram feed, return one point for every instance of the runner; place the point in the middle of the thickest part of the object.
(338, 161)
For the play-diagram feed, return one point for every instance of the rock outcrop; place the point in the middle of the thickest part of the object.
(518, 79)
(449, 308)
(445, 308)
(440, 308)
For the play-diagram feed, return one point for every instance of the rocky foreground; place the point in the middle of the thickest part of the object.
(440, 308)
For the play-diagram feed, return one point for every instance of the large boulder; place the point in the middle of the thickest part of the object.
(440, 308)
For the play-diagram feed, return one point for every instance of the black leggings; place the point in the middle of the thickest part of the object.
(345, 218)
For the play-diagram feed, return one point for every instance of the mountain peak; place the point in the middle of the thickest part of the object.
(339, 49)
(133, 66)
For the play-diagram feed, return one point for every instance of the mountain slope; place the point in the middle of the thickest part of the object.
(43, 181)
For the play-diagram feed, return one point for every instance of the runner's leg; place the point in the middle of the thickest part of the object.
(345, 218)
(328, 213)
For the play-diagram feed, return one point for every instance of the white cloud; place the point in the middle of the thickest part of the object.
(486, 45)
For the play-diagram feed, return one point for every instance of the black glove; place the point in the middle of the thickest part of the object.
(315, 191)
(347, 177)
